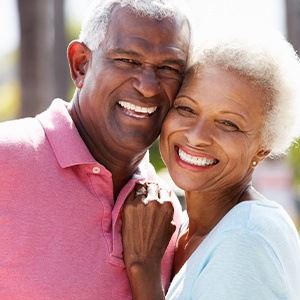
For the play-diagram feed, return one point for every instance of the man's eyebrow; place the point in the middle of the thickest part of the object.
(180, 62)
(126, 52)
(172, 61)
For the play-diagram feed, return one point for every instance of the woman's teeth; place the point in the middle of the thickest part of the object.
(194, 160)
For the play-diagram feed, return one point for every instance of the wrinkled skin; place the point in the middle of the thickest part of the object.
(147, 230)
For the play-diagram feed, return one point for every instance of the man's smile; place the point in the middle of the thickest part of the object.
(137, 111)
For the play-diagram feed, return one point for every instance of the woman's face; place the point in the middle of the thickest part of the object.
(211, 136)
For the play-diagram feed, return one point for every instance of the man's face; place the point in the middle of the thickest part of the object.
(132, 80)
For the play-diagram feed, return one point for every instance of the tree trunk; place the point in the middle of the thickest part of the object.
(42, 47)
(61, 69)
(293, 22)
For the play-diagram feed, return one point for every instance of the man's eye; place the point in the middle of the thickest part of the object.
(168, 68)
(125, 60)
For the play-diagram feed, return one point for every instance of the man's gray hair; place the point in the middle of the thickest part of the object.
(271, 63)
(94, 26)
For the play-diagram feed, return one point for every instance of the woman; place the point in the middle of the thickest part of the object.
(239, 103)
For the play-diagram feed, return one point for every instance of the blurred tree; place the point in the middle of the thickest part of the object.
(42, 49)
(61, 69)
(293, 22)
(293, 35)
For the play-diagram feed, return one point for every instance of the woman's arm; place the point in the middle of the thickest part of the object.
(147, 230)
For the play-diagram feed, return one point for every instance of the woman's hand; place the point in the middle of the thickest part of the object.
(147, 230)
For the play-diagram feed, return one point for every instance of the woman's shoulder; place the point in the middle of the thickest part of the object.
(262, 216)
(261, 226)
(255, 246)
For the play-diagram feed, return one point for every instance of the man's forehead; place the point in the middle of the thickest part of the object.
(125, 23)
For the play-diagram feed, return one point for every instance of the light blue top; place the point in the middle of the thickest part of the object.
(252, 253)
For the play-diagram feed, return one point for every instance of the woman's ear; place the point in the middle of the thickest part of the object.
(78, 57)
(260, 155)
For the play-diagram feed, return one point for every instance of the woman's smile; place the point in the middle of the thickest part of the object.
(195, 160)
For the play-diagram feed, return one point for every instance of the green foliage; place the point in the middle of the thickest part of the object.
(72, 29)
(294, 159)
(155, 157)
(9, 87)
(10, 100)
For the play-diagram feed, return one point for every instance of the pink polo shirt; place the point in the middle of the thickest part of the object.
(59, 226)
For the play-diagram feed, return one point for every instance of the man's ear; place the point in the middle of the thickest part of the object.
(78, 57)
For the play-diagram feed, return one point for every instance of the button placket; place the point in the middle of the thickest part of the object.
(96, 170)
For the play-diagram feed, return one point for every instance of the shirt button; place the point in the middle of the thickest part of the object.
(96, 170)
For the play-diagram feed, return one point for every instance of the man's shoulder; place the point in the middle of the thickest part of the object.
(19, 139)
(29, 132)
(15, 131)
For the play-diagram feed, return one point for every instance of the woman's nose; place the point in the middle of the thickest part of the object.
(200, 133)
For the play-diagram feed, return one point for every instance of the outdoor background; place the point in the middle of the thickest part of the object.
(34, 35)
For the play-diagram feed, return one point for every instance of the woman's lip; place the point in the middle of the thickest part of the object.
(194, 153)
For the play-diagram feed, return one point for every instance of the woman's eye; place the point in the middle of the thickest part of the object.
(230, 125)
(184, 110)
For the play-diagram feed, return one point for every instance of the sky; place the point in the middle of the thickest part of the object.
(212, 13)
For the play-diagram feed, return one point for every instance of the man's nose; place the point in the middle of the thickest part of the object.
(146, 82)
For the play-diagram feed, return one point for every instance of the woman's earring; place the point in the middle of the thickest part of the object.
(254, 163)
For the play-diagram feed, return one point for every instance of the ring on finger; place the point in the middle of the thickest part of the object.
(141, 191)
(164, 195)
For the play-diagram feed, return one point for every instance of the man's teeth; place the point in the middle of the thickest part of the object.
(197, 161)
(138, 109)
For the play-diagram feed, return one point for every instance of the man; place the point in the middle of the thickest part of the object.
(65, 174)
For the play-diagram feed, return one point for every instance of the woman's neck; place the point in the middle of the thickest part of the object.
(205, 210)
